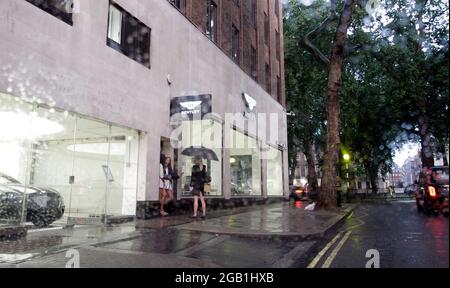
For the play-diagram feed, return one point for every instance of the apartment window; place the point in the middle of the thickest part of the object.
(277, 7)
(279, 89)
(266, 29)
(268, 79)
(252, 12)
(128, 35)
(235, 51)
(278, 45)
(211, 27)
(61, 9)
(179, 4)
(254, 63)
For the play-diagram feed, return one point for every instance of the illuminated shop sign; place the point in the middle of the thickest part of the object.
(191, 107)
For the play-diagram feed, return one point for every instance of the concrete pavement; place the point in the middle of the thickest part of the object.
(284, 232)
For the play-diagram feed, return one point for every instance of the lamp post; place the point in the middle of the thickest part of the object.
(347, 159)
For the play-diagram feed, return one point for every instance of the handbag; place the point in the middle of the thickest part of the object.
(207, 188)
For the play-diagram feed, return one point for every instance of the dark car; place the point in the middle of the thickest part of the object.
(43, 205)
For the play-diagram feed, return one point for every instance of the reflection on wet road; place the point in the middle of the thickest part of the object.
(402, 236)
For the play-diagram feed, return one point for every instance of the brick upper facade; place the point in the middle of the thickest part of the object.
(252, 33)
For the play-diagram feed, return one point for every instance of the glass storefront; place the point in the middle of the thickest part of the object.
(206, 134)
(274, 172)
(68, 168)
(245, 163)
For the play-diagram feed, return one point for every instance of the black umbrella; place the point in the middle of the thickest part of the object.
(202, 152)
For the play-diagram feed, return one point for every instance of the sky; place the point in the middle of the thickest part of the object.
(408, 150)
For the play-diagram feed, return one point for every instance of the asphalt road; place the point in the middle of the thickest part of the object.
(393, 233)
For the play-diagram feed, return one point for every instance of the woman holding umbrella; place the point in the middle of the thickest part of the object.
(198, 179)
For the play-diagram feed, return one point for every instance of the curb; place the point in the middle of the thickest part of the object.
(283, 236)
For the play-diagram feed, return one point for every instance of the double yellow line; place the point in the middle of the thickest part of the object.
(333, 253)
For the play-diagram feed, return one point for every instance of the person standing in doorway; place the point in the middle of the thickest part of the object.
(198, 180)
(173, 176)
(164, 184)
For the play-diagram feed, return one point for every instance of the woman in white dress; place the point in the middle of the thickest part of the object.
(165, 185)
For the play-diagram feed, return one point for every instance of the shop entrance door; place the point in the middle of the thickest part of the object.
(91, 173)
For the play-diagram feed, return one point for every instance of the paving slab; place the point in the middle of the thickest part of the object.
(276, 220)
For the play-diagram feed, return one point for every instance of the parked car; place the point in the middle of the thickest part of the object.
(43, 205)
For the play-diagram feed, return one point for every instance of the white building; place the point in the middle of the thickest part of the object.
(79, 116)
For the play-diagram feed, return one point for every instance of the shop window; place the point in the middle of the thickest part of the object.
(207, 134)
(128, 35)
(274, 172)
(61, 9)
(245, 165)
(86, 167)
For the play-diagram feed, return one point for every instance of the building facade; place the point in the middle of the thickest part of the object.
(92, 92)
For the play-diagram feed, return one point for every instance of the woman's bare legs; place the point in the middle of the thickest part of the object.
(195, 205)
(202, 199)
(162, 201)
(169, 196)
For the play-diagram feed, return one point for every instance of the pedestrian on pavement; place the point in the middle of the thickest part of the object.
(164, 184)
(198, 180)
(173, 176)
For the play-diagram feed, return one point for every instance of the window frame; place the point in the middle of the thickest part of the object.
(119, 47)
(64, 16)
(253, 62)
(211, 15)
(235, 44)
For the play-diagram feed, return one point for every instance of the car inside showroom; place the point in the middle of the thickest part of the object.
(60, 167)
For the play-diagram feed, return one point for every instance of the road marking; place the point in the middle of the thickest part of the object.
(336, 250)
(289, 258)
(324, 250)
(202, 245)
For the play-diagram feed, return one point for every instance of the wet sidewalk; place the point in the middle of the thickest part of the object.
(179, 241)
(276, 220)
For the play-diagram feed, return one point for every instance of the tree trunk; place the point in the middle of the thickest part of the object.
(327, 196)
(312, 174)
(374, 182)
(426, 154)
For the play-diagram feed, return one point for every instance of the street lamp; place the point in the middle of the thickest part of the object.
(346, 157)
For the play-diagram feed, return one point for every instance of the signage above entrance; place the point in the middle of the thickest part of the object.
(191, 107)
(250, 102)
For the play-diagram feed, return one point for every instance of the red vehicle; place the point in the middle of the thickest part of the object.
(432, 196)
